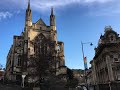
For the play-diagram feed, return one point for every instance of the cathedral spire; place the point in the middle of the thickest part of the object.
(28, 4)
(52, 18)
(52, 11)
(28, 15)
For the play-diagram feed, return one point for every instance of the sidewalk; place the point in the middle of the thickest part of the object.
(9, 87)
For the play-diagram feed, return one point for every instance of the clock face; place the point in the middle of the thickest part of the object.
(19, 50)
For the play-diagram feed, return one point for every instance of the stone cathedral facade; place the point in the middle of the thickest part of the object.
(39, 41)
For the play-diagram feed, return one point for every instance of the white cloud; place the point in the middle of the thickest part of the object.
(97, 7)
(108, 9)
(7, 14)
(44, 4)
(99, 1)
(4, 15)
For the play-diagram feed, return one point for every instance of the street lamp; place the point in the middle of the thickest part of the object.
(85, 62)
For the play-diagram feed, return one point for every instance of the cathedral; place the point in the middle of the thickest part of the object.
(36, 51)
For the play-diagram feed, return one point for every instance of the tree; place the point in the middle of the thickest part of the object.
(43, 61)
(70, 73)
(71, 82)
(39, 68)
(41, 57)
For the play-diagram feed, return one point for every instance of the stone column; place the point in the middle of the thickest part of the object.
(94, 72)
(109, 66)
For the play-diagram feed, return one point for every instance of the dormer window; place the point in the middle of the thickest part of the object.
(40, 28)
(112, 38)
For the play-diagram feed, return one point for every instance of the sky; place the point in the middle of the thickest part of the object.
(76, 20)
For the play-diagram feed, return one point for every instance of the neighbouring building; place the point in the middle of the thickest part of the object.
(89, 76)
(2, 74)
(79, 75)
(106, 62)
(38, 41)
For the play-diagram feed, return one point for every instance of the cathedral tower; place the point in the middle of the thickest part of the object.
(53, 26)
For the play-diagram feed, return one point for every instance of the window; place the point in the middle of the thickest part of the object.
(118, 74)
(116, 60)
(19, 61)
(112, 38)
(57, 64)
(40, 45)
(111, 56)
(59, 48)
(40, 28)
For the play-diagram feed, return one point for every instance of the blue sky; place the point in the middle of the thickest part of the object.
(77, 20)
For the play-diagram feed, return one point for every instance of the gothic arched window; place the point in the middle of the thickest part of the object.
(40, 45)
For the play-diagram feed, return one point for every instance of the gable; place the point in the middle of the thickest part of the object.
(40, 22)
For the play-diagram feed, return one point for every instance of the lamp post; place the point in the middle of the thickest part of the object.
(85, 64)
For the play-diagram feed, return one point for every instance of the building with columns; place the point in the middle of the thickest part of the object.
(106, 62)
(38, 41)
